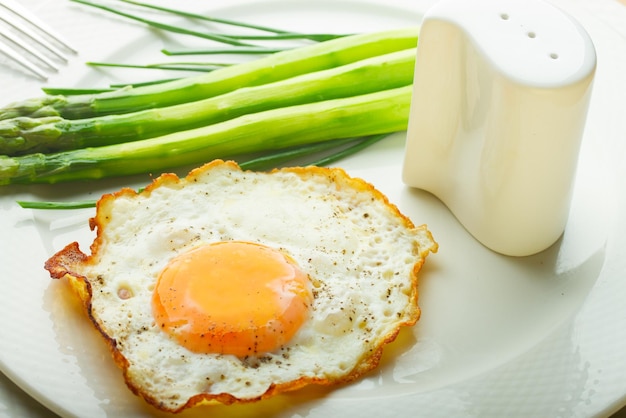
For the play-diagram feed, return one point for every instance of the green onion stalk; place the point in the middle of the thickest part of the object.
(231, 39)
(276, 32)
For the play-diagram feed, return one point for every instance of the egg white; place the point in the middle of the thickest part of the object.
(359, 252)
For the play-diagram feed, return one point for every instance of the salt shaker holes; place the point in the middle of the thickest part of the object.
(530, 34)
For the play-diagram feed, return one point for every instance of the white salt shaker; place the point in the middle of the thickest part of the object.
(500, 98)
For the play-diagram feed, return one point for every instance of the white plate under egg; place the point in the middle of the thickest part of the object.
(536, 336)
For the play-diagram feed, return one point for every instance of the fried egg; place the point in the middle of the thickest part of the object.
(234, 286)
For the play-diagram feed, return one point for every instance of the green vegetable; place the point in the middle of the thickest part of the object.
(292, 35)
(374, 113)
(260, 163)
(166, 27)
(173, 66)
(272, 68)
(81, 204)
(228, 39)
(21, 135)
(261, 50)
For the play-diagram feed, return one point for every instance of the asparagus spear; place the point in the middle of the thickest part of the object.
(28, 135)
(374, 113)
(272, 68)
(264, 162)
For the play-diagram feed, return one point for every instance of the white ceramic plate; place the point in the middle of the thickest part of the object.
(536, 336)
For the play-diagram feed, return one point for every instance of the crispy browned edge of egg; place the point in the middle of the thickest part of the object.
(60, 266)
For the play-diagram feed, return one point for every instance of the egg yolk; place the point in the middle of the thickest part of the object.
(231, 297)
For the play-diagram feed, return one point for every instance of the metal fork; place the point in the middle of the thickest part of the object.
(29, 41)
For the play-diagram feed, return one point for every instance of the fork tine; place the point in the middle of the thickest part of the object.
(28, 48)
(19, 25)
(19, 58)
(25, 14)
(33, 36)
